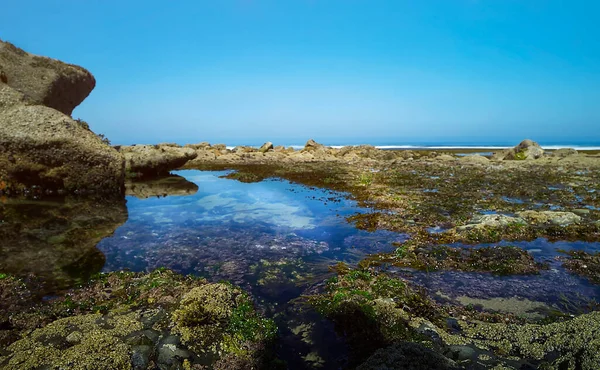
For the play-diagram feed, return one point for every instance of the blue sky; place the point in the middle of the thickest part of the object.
(339, 71)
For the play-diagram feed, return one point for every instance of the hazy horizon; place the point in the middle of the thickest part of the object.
(340, 72)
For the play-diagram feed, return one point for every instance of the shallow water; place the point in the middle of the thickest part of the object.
(274, 238)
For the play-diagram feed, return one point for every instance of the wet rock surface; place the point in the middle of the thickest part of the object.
(139, 321)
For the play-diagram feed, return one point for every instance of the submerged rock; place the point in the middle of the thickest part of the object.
(42, 149)
(154, 160)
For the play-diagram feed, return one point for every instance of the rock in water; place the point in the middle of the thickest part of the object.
(41, 147)
(45, 81)
(155, 160)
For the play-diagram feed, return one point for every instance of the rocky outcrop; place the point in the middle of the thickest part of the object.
(266, 147)
(526, 150)
(155, 160)
(45, 81)
(42, 149)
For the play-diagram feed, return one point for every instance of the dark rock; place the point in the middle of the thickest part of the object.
(407, 356)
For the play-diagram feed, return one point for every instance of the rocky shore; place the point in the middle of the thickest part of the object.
(69, 315)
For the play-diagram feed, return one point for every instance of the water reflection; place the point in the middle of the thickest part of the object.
(260, 235)
(56, 239)
(161, 187)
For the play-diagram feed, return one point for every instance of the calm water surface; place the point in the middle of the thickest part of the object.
(273, 238)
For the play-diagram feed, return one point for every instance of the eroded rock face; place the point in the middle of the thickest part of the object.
(45, 81)
(155, 160)
(41, 148)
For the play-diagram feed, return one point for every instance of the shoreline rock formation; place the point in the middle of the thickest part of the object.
(42, 149)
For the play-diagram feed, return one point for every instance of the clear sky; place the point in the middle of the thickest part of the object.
(339, 71)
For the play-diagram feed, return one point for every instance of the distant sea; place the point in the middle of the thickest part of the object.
(449, 146)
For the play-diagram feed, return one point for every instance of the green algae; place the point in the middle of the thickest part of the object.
(100, 325)
(100, 345)
(584, 264)
(219, 318)
(500, 260)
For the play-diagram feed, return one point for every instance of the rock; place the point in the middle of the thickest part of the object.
(40, 145)
(154, 160)
(496, 220)
(526, 150)
(45, 81)
(445, 157)
(202, 145)
(476, 159)
(313, 145)
(219, 147)
(44, 148)
(550, 217)
(266, 147)
(564, 152)
(407, 356)
(581, 211)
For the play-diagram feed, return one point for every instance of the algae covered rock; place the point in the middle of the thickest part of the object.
(125, 320)
(525, 150)
(217, 318)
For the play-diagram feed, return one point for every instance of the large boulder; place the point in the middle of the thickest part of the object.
(45, 150)
(154, 160)
(526, 150)
(42, 149)
(45, 81)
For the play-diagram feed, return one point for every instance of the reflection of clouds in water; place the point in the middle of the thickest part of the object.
(245, 207)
